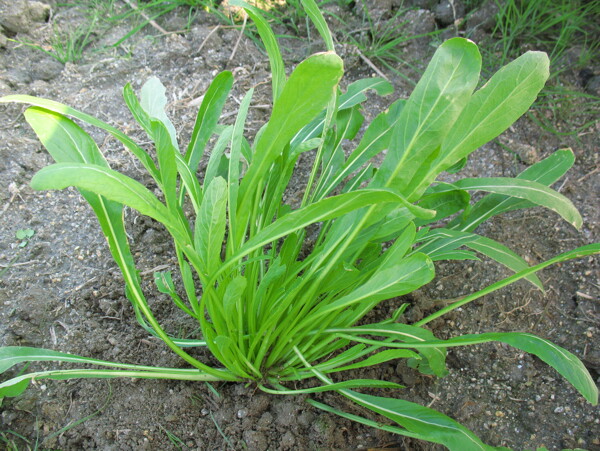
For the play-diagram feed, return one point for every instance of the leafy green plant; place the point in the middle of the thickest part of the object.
(275, 305)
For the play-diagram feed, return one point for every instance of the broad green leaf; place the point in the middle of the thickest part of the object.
(430, 112)
(153, 100)
(68, 111)
(207, 118)
(210, 225)
(105, 182)
(547, 171)
(63, 138)
(491, 110)
(444, 204)
(270, 42)
(428, 423)
(68, 143)
(234, 291)
(190, 182)
(526, 189)
(308, 90)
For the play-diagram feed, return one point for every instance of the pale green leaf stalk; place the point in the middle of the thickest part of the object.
(273, 305)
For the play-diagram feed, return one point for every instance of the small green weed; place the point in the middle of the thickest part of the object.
(24, 235)
(275, 306)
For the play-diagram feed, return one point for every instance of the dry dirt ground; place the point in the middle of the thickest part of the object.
(62, 290)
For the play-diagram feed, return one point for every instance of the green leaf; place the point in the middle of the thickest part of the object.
(355, 383)
(354, 95)
(139, 114)
(444, 204)
(567, 364)
(107, 183)
(13, 355)
(210, 225)
(410, 337)
(428, 423)
(207, 118)
(526, 189)
(237, 140)
(233, 295)
(16, 385)
(63, 138)
(547, 171)
(491, 110)
(213, 169)
(167, 161)
(443, 243)
(393, 279)
(430, 112)
(381, 357)
(68, 111)
(312, 10)
(153, 101)
(270, 42)
(308, 90)
(375, 140)
(23, 234)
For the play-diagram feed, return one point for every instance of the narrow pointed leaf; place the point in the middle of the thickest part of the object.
(428, 423)
(526, 189)
(270, 42)
(354, 383)
(547, 171)
(207, 118)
